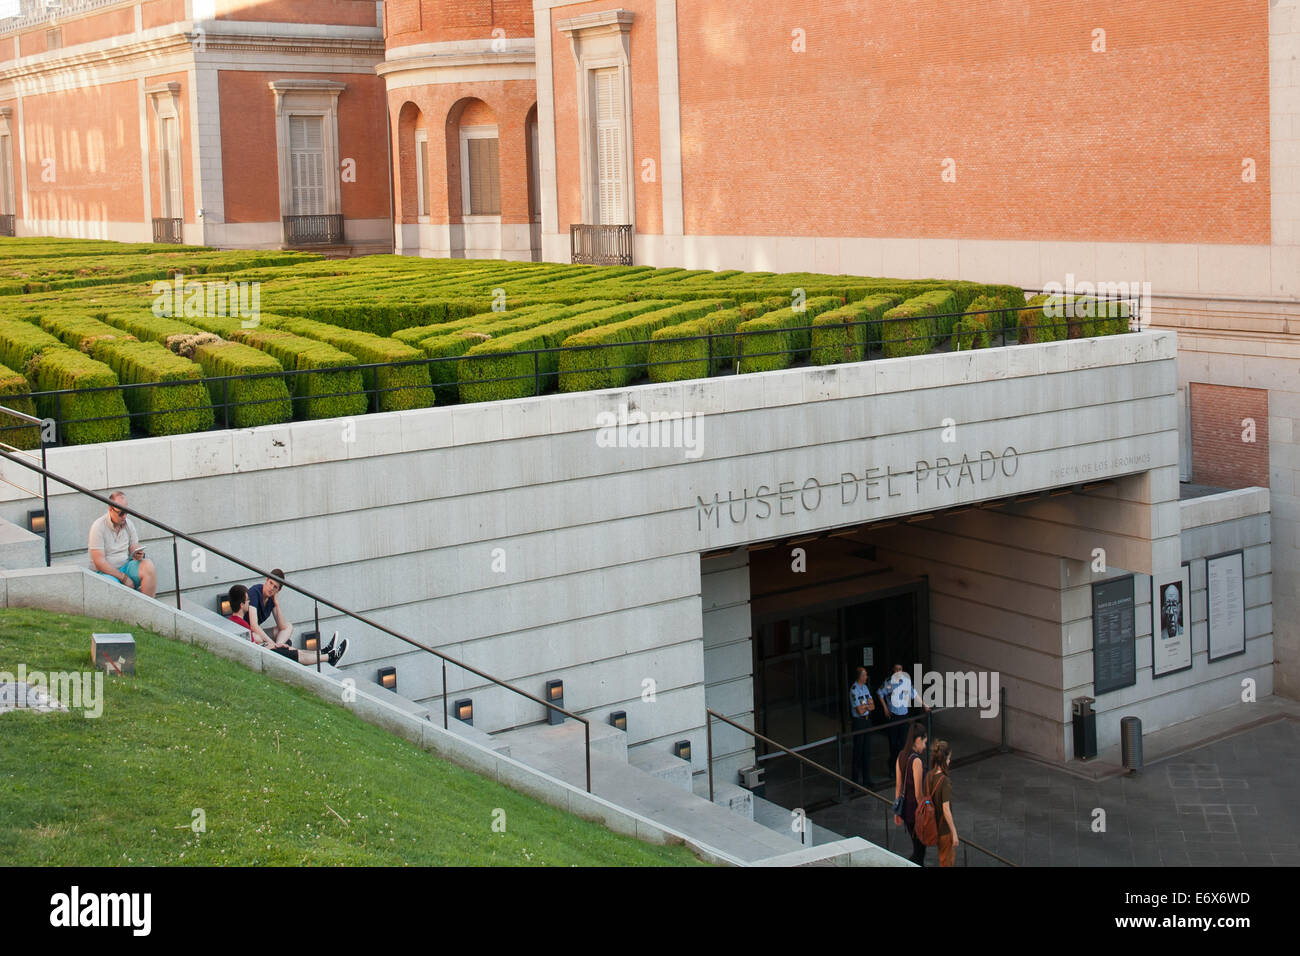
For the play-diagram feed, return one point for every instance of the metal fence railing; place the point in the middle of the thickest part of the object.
(317, 600)
(717, 354)
(883, 804)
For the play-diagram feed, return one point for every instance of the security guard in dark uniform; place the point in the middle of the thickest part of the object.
(861, 705)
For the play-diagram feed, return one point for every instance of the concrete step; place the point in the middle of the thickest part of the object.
(19, 548)
(565, 738)
(613, 778)
(734, 798)
(662, 766)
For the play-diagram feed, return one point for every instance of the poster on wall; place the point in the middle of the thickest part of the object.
(1171, 622)
(1226, 604)
(1114, 636)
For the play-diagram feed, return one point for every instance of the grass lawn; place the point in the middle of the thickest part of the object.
(283, 778)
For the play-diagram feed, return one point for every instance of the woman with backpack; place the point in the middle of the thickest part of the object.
(908, 775)
(939, 788)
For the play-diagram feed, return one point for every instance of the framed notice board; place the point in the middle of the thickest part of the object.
(1114, 635)
(1225, 584)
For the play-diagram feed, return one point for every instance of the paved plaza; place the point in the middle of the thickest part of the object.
(1228, 801)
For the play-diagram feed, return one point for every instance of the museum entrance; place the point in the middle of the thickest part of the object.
(812, 628)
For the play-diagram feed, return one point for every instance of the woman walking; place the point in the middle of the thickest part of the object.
(939, 788)
(908, 774)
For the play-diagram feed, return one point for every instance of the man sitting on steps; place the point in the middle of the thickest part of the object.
(115, 550)
(263, 599)
(240, 614)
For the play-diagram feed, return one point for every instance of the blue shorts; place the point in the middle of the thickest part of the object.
(131, 569)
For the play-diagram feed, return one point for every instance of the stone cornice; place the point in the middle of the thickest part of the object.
(443, 61)
(604, 21)
(186, 37)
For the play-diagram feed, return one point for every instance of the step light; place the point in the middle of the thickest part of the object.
(36, 521)
(464, 709)
(223, 605)
(682, 749)
(555, 695)
(311, 641)
(388, 677)
(618, 719)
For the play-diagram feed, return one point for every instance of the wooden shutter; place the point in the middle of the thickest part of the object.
(609, 147)
(421, 175)
(6, 176)
(307, 156)
(484, 178)
(169, 163)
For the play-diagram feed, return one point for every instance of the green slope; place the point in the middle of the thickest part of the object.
(282, 777)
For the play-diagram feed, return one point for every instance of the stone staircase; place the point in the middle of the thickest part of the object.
(661, 786)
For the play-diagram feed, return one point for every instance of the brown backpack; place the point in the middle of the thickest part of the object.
(927, 822)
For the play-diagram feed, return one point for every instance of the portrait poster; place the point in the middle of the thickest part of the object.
(1171, 622)
(1225, 585)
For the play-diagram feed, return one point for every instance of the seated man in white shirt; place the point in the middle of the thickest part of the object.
(115, 550)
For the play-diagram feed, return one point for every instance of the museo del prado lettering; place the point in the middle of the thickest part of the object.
(876, 483)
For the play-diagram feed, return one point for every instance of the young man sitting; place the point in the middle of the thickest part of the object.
(263, 599)
(240, 614)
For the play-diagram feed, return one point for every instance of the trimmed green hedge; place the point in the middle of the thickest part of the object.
(915, 326)
(15, 393)
(781, 338)
(612, 355)
(682, 352)
(165, 409)
(1035, 326)
(489, 371)
(323, 393)
(82, 332)
(844, 334)
(20, 342)
(146, 326)
(480, 329)
(83, 419)
(250, 402)
(400, 388)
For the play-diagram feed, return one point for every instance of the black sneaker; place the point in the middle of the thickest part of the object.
(329, 648)
(336, 655)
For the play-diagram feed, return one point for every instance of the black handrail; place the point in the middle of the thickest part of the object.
(49, 475)
(712, 714)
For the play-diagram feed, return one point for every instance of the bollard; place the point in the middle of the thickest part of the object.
(1130, 743)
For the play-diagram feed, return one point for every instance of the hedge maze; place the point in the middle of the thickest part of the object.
(114, 340)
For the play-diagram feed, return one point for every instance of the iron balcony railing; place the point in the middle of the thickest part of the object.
(322, 230)
(169, 230)
(7, 224)
(721, 355)
(316, 599)
(601, 245)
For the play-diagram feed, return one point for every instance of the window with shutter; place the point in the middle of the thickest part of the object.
(307, 164)
(6, 176)
(169, 164)
(421, 167)
(480, 181)
(610, 188)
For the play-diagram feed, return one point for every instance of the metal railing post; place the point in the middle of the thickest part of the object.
(708, 736)
(176, 566)
(444, 693)
(320, 640)
(537, 373)
(1002, 704)
(587, 727)
(225, 415)
(45, 498)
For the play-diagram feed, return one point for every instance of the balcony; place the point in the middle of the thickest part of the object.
(326, 230)
(169, 230)
(601, 245)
